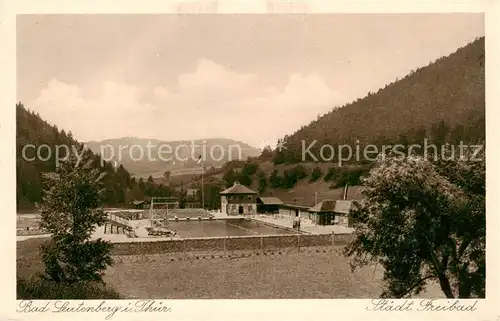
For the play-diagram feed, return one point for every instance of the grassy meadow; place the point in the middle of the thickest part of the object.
(314, 273)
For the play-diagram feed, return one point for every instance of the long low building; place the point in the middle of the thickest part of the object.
(326, 212)
(294, 210)
(268, 205)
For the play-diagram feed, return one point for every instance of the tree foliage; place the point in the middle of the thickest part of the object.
(70, 211)
(242, 172)
(424, 220)
(267, 153)
(316, 174)
(262, 181)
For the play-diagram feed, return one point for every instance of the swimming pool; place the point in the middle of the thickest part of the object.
(226, 227)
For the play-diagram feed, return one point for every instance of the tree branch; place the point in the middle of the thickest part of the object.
(443, 280)
(463, 247)
(408, 290)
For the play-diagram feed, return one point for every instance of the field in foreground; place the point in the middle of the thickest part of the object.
(315, 273)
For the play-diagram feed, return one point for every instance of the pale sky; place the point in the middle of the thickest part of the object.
(253, 78)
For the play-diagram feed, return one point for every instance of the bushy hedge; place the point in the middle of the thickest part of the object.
(40, 289)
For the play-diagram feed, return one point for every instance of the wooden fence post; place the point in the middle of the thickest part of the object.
(262, 243)
(298, 242)
(333, 240)
(225, 246)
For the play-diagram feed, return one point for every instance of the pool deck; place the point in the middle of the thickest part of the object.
(139, 228)
(287, 222)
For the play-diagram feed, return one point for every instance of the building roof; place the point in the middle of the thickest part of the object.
(138, 202)
(270, 200)
(324, 206)
(237, 188)
(342, 206)
(339, 206)
(295, 206)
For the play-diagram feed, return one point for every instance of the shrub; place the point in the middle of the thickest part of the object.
(275, 179)
(294, 175)
(332, 174)
(316, 174)
(40, 289)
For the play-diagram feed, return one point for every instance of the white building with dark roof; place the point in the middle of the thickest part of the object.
(238, 200)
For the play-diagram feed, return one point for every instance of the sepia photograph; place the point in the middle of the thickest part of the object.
(251, 156)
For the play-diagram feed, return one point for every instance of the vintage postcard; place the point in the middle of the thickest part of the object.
(164, 158)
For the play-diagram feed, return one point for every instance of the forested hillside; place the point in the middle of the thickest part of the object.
(443, 102)
(31, 129)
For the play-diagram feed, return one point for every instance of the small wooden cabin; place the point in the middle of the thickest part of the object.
(268, 205)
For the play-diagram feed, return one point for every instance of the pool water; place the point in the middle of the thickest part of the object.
(233, 227)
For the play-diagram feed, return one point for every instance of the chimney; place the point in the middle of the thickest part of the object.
(345, 191)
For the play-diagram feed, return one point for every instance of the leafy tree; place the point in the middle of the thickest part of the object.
(332, 174)
(262, 181)
(70, 211)
(250, 169)
(129, 196)
(291, 177)
(275, 179)
(316, 174)
(245, 179)
(142, 185)
(182, 198)
(424, 220)
(279, 157)
(350, 176)
(212, 194)
(230, 177)
(137, 194)
(267, 153)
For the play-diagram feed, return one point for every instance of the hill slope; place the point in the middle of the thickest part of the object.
(444, 101)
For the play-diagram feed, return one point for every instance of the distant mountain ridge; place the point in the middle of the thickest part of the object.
(178, 156)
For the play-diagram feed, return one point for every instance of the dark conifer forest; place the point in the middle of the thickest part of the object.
(121, 188)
